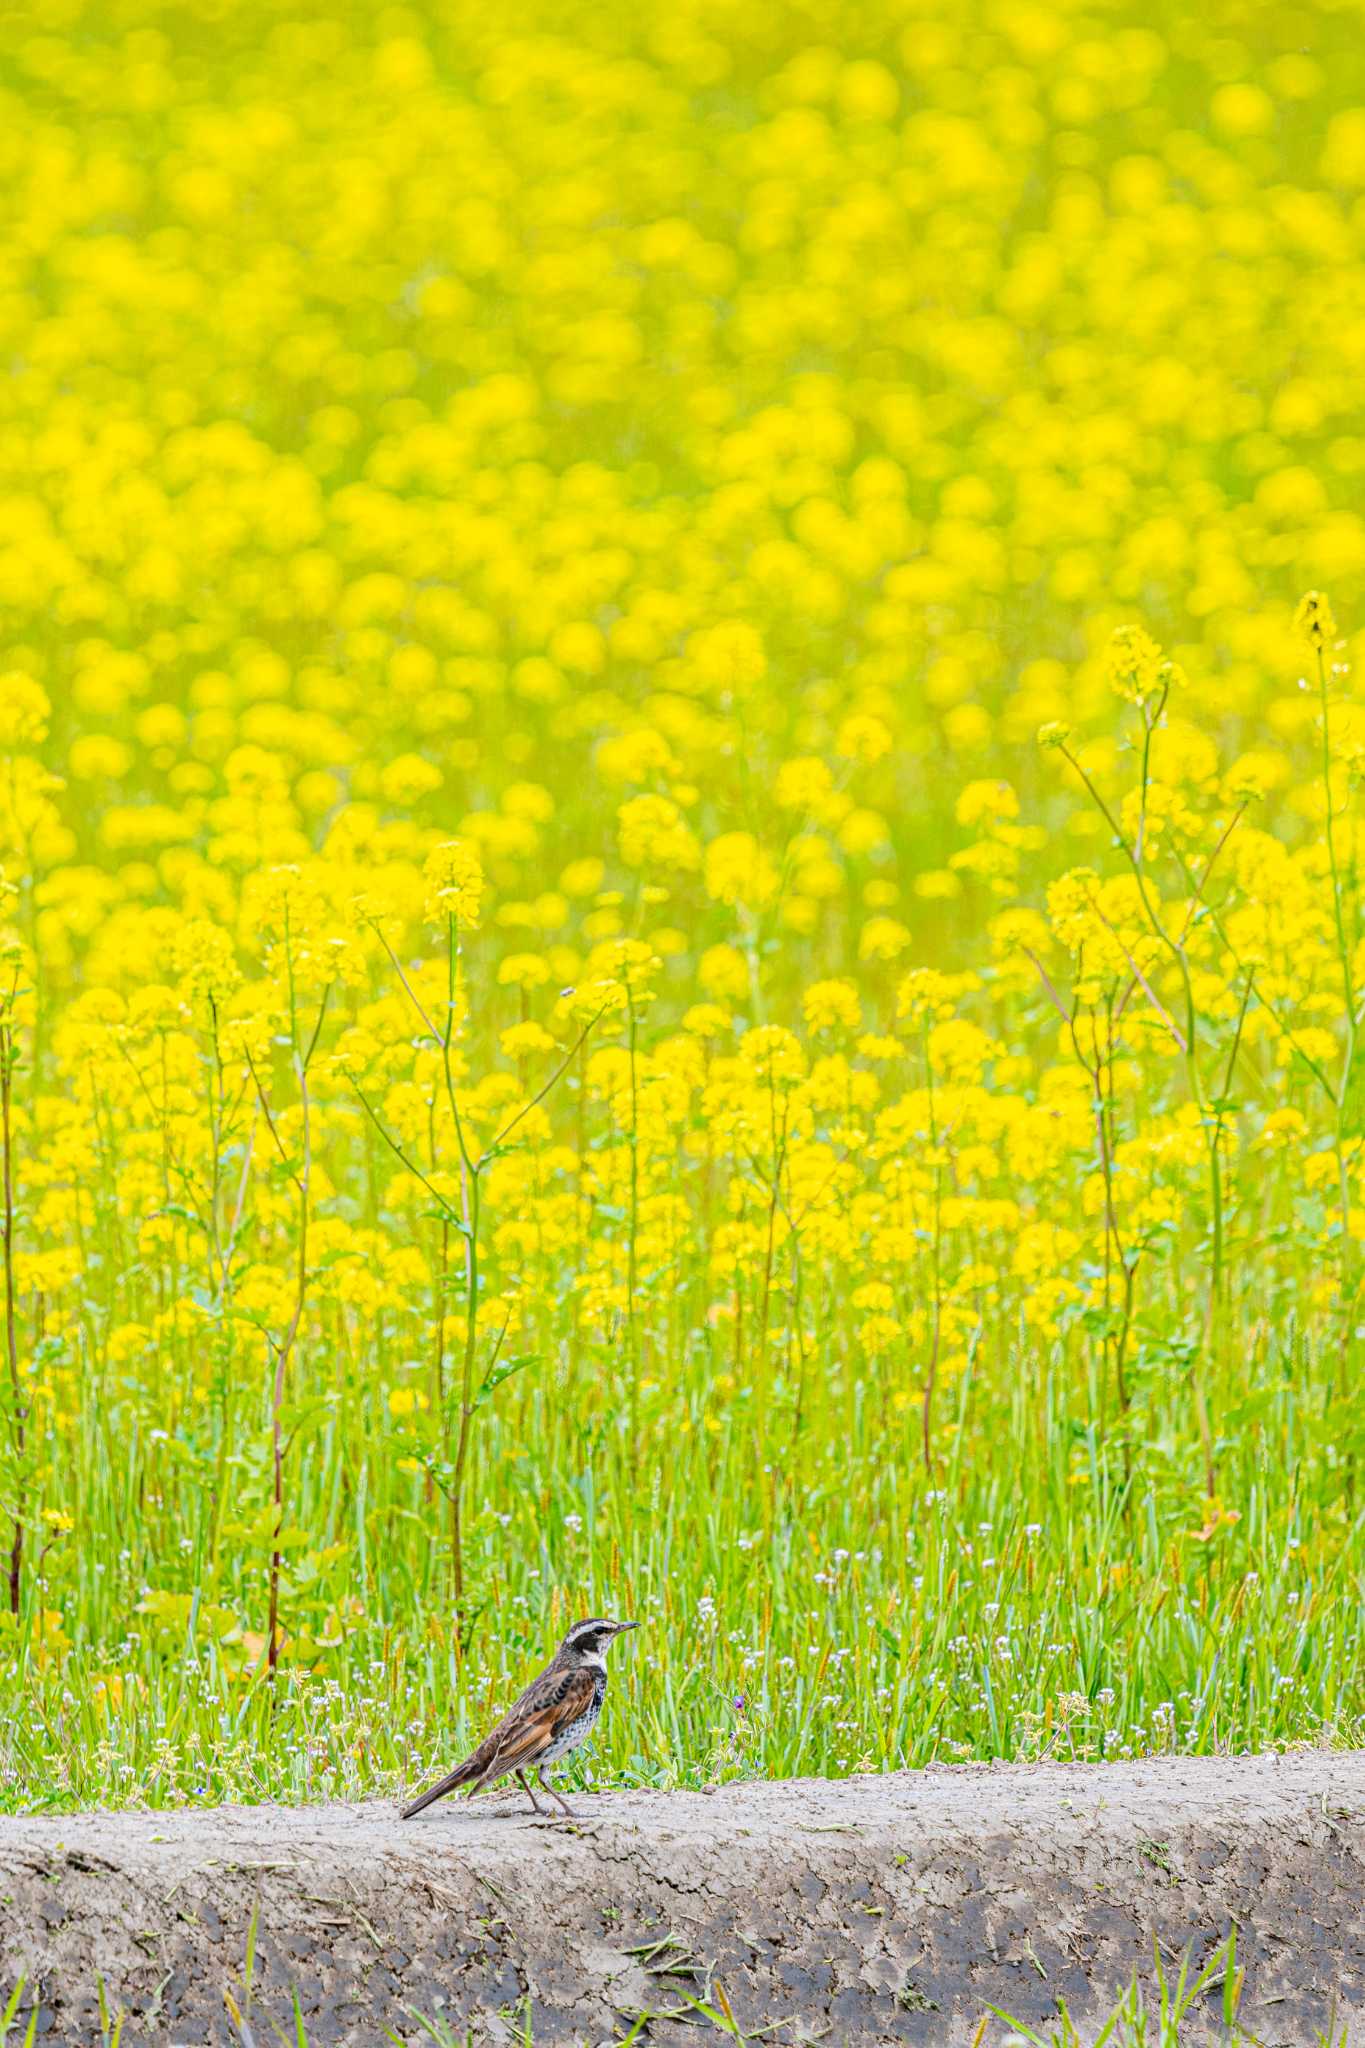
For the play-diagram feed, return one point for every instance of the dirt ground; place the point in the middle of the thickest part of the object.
(893, 1909)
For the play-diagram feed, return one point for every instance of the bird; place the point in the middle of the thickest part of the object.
(557, 1712)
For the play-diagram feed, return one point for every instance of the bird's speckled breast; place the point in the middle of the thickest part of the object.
(578, 1731)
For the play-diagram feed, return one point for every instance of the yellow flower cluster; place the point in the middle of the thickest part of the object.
(1027, 1143)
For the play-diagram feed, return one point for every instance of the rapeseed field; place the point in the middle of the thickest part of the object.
(680, 811)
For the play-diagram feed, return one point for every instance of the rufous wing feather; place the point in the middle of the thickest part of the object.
(528, 1736)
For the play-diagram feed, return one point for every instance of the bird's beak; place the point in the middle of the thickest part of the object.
(622, 1626)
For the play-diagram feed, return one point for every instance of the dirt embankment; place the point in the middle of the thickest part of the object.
(893, 1909)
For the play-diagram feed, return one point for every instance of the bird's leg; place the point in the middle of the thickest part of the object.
(525, 1786)
(554, 1792)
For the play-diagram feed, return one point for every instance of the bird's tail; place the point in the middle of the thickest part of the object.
(461, 1775)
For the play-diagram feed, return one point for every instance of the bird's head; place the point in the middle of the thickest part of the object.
(586, 1641)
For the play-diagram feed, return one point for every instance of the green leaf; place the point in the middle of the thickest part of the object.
(1249, 1410)
(502, 1151)
(297, 1415)
(498, 1373)
(178, 1209)
(331, 1260)
(260, 1530)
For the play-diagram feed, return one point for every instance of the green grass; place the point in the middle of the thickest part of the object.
(829, 1614)
(1179, 2007)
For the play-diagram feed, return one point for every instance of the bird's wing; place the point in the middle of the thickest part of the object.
(552, 1701)
(529, 1730)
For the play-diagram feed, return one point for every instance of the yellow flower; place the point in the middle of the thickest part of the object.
(738, 871)
(926, 992)
(831, 1005)
(1313, 620)
(727, 656)
(409, 778)
(582, 877)
(803, 785)
(654, 834)
(864, 738)
(453, 874)
(882, 938)
(205, 958)
(24, 710)
(706, 1020)
(987, 803)
(723, 972)
(773, 1054)
(526, 1041)
(524, 970)
(1133, 664)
